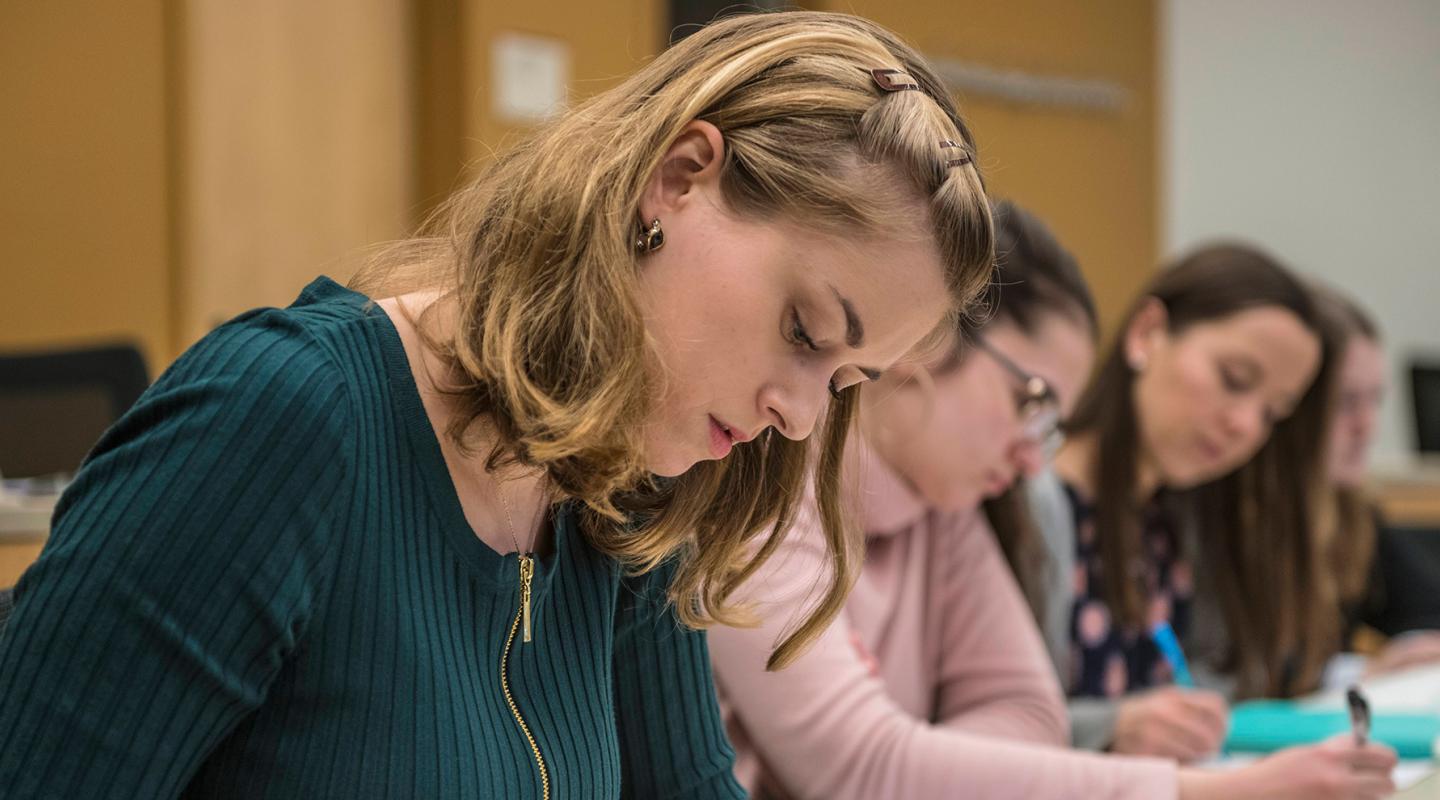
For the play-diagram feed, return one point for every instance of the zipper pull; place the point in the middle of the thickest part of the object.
(527, 571)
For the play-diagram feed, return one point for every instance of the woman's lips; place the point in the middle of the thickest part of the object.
(721, 440)
(1210, 450)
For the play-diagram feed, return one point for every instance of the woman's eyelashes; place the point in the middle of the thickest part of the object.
(1239, 382)
(1234, 381)
(838, 383)
(798, 333)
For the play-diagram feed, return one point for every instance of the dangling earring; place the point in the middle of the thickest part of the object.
(650, 240)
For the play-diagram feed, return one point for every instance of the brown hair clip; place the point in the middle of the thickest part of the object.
(894, 80)
(957, 160)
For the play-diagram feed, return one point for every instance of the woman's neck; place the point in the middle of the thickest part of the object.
(1147, 478)
(1076, 464)
(507, 508)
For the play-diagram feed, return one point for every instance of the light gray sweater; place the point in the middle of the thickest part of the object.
(1092, 719)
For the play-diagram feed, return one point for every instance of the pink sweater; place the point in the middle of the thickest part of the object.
(933, 683)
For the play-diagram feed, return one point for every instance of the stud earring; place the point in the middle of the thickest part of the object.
(650, 240)
(1137, 362)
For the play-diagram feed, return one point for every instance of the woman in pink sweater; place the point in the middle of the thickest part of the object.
(934, 682)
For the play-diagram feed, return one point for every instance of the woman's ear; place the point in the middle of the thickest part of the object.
(692, 161)
(1148, 331)
(896, 409)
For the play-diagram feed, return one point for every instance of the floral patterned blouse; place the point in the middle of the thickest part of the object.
(1109, 658)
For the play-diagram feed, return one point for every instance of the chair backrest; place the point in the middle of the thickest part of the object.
(1409, 561)
(55, 405)
(1425, 389)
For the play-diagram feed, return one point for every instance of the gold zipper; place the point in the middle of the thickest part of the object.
(527, 571)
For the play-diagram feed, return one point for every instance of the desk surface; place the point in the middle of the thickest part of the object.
(28, 520)
(1426, 789)
(1408, 491)
(24, 524)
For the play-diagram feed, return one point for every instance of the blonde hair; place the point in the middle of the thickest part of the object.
(538, 251)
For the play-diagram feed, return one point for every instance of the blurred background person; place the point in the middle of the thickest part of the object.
(1375, 580)
(1199, 436)
(934, 681)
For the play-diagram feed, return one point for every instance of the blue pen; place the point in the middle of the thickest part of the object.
(1164, 637)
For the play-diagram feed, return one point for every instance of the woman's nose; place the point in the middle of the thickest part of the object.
(793, 406)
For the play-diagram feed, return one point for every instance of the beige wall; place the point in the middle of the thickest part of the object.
(295, 136)
(83, 199)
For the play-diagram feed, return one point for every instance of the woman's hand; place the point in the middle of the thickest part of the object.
(1336, 769)
(1183, 724)
(1405, 651)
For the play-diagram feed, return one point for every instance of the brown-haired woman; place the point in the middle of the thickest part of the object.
(1198, 443)
(1370, 572)
(934, 681)
(415, 546)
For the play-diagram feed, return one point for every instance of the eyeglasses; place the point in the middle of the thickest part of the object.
(1035, 403)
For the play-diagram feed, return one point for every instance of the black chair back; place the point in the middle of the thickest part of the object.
(7, 604)
(1425, 389)
(55, 405)
(1409, 560)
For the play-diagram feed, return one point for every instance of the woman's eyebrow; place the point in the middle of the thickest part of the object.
(854, 329)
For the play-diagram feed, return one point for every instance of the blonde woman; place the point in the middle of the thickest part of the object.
(416, 547)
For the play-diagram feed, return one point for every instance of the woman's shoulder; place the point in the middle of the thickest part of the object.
(273, 368)
(320, 339)
(322, 327)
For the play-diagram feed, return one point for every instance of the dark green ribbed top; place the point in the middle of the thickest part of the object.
(261, 584)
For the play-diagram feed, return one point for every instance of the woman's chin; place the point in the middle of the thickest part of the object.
(671, 468)
(959, 500)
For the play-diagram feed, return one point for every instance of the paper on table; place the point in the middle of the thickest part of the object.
(1409, 773)
(1415, 689)
(1406, 774)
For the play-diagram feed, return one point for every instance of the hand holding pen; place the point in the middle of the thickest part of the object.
(1180, 721)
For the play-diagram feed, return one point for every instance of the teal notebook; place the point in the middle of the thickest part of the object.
(1262, 726)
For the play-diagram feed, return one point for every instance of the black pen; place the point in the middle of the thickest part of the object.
(1359, 714)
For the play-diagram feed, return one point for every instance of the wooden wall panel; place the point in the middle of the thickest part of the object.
(295, 132)
(84, 253)
(607, 42)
